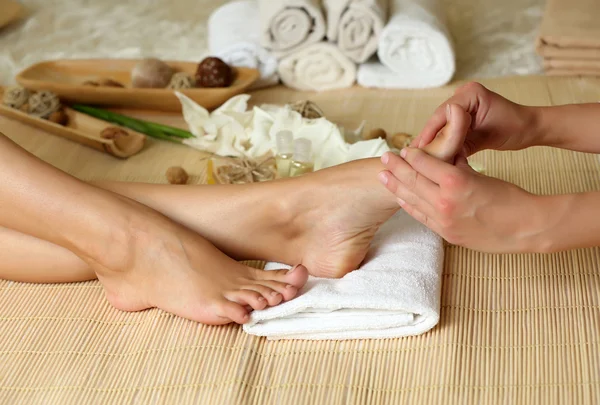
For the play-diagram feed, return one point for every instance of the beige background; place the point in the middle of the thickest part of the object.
(493, 38)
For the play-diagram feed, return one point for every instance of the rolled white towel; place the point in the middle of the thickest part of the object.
(355, 25)
(234, 36)
(415, 48)
(317, 67)
(288, 25)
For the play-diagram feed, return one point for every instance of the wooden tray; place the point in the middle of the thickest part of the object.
(66, 78)
(83, 129)
(10, 11)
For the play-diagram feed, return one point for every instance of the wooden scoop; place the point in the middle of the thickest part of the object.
(82, 129)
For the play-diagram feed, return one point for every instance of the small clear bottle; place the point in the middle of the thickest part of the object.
(302, 162)
(285, 150)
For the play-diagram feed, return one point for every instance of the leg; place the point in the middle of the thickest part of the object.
(325, 220)
(142, 258)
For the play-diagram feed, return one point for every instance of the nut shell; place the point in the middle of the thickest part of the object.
(400, 140)
(213, 72)
(59, 117)
(177, 175)
(374, 134)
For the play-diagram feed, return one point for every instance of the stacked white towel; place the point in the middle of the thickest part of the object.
(234, 36)
(288, 25)
(355, 25)
(415, 48)
(395, 293)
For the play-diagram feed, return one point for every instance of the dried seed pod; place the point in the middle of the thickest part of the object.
(43, 104)
(213, 72)
(374, 134)
(109, 83)
(59, 117)
(400, 140)
(151, 73)
(182, 80)
(176, 175)
(16, 97)
(307, 109)
(113, 133)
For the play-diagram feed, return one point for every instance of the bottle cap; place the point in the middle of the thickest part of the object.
(285, 142)
(302, 150)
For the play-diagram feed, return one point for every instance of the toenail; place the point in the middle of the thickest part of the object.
(403, 153)
(448, 112)
(261, 299)
(293, 268)
(289, 286)
(274, 293)
(401, 201)
(383, 178)
(385, 158)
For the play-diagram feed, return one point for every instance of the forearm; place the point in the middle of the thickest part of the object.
(39, 200)
(569, 221)
(575, 127)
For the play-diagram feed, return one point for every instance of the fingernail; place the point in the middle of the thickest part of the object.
(401, 201)
(403, 153)
(246, 317)
(383, 178)
(448, 112)
(385, 158)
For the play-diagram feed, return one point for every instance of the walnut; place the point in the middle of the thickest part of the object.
(113, 133)
(176, 175)
(59, 117)
(374, 134)
(400, 140)
(307, 109)
(213, 72)
(182, 80)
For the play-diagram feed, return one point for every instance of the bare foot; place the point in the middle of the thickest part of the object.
(172, 268)
(339, 210)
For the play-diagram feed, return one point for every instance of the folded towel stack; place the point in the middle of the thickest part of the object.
(234, 36)
(395, 293)
(569, 39)
(317, 44)
(415, 48)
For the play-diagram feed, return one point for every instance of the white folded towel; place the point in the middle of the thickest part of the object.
(395, 293)
(355, 25)
(317, 67)
(287, 25)
(415, 48)
(234, 36)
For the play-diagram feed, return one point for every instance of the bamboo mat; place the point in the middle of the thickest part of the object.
(514, 329)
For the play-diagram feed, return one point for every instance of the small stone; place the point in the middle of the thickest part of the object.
(374, 134)
(213, 72)
(151, 73)
(177, 175)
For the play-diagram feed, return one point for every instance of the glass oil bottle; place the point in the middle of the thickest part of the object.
(302, 162)
(285, 150)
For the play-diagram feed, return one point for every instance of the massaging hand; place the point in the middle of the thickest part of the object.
(461, 205)
(497, 123)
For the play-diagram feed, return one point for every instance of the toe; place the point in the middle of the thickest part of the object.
(230, 310)
(287, 291)
(297, 276)
(247, 297)
(272, 296)
(451, 138)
